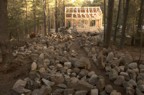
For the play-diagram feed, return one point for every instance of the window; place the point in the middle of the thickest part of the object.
(92, 23)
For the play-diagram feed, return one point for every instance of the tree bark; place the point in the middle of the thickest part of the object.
(44, 14)
(48, 17)
(56, 22)
(104, 18)
(109, 23)
(34, 15)
(117, 21)
(124, 24)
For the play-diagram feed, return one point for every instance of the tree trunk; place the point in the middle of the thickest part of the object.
(124, 24)
(44, 14)
(63, 13)
(104, 18)
(140, 23)
(26, 18)
(117, 21)
(56, 23)
(4, 34)
(48, 18)
(34, 15)
(109, 23)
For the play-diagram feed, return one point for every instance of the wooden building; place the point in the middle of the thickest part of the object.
(84, 18)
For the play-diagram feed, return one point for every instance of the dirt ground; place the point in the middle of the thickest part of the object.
(10, 73)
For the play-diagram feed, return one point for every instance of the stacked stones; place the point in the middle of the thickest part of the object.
(58, 69)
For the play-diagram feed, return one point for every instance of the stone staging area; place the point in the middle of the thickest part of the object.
(71, 64)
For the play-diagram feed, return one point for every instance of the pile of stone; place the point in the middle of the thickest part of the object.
(58, 69)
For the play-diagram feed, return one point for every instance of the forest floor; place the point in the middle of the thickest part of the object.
(10, 73)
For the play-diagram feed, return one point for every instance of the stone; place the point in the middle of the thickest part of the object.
(132, 83)
(46, 62)
(36, 92)
(83, 73)
(114, 92)
(108, 68)
(132, 65)
(68, 91)
(91, 73)
(141, 66)
(108, 88)
(113, 74)
(62, 86)
(93, 79)
(84, 85)
(68, 64)
(42, 70)
(81, 92)
(41, 56)
(119, 81)
(130, 91)
(110, 57)
(73, 81)
(122, 68)
(19, 87)
(138, 92)
(57, 78)
(34, 66)
(57, 92)
(94, 92)
(47, 82)
(83, 63)
(126, 75)
(141, 88)
(100, 83)
(76, 70)
(104, 93)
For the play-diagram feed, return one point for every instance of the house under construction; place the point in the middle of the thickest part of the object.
(87, 19)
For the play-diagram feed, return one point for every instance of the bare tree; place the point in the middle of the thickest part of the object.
(56, 17)
(117, 21)
(34, 15)
(44, 14)
(122, 41)
(109, 23)
(104, 18)
(48, 17)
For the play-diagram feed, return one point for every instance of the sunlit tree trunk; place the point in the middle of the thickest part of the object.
(109, 23)
(49, 17)
(63, 12)
(44, 14)
(56, 15)
(117, 21)
(34, 15)
(122, 41)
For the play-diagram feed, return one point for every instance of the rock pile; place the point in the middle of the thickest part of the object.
(58, 68)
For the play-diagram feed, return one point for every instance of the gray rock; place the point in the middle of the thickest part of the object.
(85, 85)
(108, 68)
(126, 75)
(57, 92)
(141, 88)
(91, 73)
(47, 82)
(141, 66)
(68, 64)
(93, 79)
(121, 68)
(42, 70)
(114, 92)
(68, 91)
(138, 92)
(36, 92)
(133, 65)
(41, 56)
(76, 70)
(100, 83)
(46, 62)
(83, 73)
(103, 93)
(57, 78)
(130, 91)
(113, 74)
(119, 80)
(108, 88)
(110, 57)
(62, 86)
(19, 87)
(82, 92)
(94, 92)
(33, 66)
